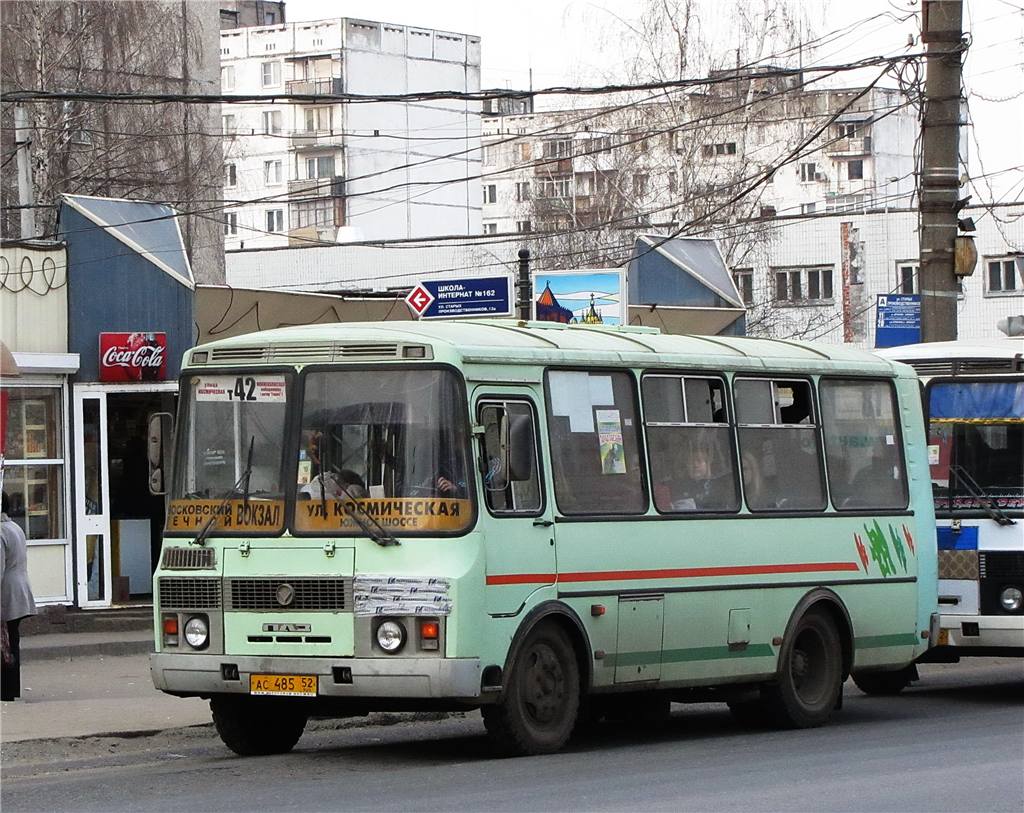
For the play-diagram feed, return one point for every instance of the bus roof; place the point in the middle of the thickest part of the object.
(507, 341)
(962, 357)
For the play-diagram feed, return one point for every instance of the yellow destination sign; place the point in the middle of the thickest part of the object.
(394, 514)
(254, 515)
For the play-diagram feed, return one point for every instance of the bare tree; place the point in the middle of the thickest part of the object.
(161, 152)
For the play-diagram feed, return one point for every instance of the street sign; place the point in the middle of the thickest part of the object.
(898, 320)
(452, 298)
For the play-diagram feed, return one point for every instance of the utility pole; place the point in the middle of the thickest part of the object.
(942, 31)
(26, 195)
(524, 287)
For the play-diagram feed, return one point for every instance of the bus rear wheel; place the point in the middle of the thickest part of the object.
(537, 711)
(810, 676)
(257, 728)
(885, 683)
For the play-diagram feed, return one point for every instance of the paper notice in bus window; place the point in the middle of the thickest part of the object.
(249, 516)
(933, 454)
(393, 515)
(570, 398)
(609, 433)
(601, 390)
(259, 388)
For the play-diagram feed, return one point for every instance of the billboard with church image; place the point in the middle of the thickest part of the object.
(580, 296)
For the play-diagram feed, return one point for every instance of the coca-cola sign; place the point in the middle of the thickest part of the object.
(133, 356)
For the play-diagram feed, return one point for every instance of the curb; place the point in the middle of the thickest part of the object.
(45, 653)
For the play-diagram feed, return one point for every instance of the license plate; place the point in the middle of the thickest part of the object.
(943, 638)
(283, 685)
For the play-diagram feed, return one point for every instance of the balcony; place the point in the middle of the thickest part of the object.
(849, 146)
(317, 188)
(327, 86)
(314, 139)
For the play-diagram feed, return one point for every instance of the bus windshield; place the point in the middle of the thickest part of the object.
(385, 447)
(231, 453)
(976, 445)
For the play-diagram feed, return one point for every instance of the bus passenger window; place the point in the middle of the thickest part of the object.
(689, 444)
(862, 450)
(779, 450)
(507, 426)
(595, 444)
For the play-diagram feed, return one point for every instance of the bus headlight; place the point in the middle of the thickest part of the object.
(390, 636)
(197, 632)
(1011, 598)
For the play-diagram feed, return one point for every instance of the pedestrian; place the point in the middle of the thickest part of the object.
(16, 600)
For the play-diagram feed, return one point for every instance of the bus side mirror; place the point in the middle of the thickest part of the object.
(158, 451)
(520, 448)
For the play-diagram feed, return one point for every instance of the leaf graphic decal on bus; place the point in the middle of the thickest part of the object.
(861, 551)
(880, 549)
(910, 540)
(898, 547)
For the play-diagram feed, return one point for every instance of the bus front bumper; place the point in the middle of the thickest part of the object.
(434, 678)
(982, 631)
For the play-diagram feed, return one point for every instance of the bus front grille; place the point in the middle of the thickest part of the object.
(189, 594)
(305, 594)
(1001, 565)
(189, 558)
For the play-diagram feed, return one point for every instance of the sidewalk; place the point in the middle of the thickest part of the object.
(71, 688)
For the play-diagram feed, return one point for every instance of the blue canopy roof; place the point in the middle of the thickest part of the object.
(151, 229)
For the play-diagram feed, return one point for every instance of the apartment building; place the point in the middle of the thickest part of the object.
(616, 170)
(305, 171)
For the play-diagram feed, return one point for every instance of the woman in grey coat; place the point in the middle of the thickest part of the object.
(16, 600)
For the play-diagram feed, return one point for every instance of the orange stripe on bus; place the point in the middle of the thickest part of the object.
(673, 573)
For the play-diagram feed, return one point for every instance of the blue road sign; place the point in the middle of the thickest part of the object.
(447, 299)
(898, 320)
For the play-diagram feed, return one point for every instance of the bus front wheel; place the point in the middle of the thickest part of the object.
(538, 707)
(810, 674)
(257, 728)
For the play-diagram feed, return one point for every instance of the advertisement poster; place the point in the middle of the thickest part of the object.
(609, 434)
(583, 296)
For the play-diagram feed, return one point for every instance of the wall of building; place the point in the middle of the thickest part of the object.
(33, 292)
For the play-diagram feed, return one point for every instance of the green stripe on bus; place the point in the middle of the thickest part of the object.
(700, 653)
(874, 641)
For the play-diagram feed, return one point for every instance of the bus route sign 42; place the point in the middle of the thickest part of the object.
(453, 298)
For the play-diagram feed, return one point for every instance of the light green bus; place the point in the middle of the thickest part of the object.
(549, 523)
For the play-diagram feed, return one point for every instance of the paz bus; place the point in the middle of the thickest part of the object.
(974, 405)
(550, 523)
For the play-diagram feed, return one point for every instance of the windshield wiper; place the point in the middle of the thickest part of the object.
(368, 523)
(205, 530)
(987, 503)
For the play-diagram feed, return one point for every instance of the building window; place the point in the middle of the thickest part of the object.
(490, 228)
(490, 193)
(490, 155)
(227, 77)
(673, 183)
(744, 279)
(855, 170)
(808, 208)
(271, 172)
(320, 166)
(524, 226)
(722, 148)
(228, 125)
(525, 151)
(317, 119)
(798, 286)
(808, 171)
(522, 191)
(34, 462)
(554, 188)
(271, 72)
(271, 122)
(558, 148)
(906, 273)
(847, 130)
(639, 184)
(269, 18)
(275, 220)
(1005, 275)
(230, 175)
(313, 213)
(230, 224)
(845, 203)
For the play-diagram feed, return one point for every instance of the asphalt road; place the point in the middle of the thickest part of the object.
(954, 742)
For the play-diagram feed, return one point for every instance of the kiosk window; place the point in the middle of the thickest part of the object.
(595, 447)
(780, 454)
(862, 445)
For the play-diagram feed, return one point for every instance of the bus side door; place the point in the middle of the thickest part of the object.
(517, 524)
